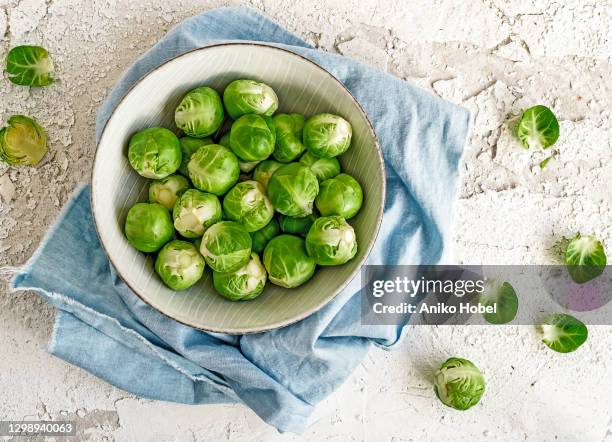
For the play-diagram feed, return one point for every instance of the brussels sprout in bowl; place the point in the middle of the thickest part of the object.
(298, 87)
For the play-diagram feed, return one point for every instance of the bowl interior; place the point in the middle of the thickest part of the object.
(301, 87)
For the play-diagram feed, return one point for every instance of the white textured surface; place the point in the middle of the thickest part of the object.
(493, 56)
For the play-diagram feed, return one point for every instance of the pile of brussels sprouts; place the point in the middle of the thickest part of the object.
(255, 196)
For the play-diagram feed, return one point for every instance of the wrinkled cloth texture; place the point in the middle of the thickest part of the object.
(106, 329)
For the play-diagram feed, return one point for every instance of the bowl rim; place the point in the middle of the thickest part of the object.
(305, 314)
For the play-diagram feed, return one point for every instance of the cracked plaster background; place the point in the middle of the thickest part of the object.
(494, 57)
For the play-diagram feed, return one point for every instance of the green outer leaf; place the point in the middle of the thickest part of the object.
(23, 142)
(563, 333)
(538, 128)
(29, 66)
(504, 296)
(585, 258)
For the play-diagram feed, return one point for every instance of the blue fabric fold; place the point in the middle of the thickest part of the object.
(104, 328)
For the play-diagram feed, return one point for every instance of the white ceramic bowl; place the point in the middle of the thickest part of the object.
(303, 87)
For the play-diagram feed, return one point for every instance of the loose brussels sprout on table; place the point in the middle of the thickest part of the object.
(226, 246)
(263, 236)
(200, 112)
(23, 142)
(288, 137)
(29, 66)
(189, 146)
(323, 168)
(327, 135)
(341, 196)
(195, 211)
(244, 284)
(264, 171)
(252, 137)
(148, 227)
(585, 258)
(563, 333)
(167, 190)
(155, 152)
(248, 204)
(538, 128)
(287, 262)
(293, 189)
(295, 225)
(179, 265)
(331, 241)
(243, 97)
(459, 384)
(214, 169)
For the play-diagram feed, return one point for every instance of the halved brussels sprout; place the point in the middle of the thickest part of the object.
(200, 112)
(148, 227)
(167, 190)
(295, 225)
(287, 262)
(459, 384)
(23, 142)
(226, 246)
(341, 195)
(252, 137)
(155, 153)
(29, 66)
(263, 236)
(264, 171)
(214, 169)
(249, 97)
(189, 146)
(288, 137)
(179, 265)
(195, 211)
(327, 135)
(323, 168)
(292, 190)
(331, 241)
(244, 284)
(248, 204)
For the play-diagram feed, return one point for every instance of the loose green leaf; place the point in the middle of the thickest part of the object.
(30, 66)
(504, 297)
(585, 258)
(563, 333)
(545, 162)
(538, 128)
(459, 384)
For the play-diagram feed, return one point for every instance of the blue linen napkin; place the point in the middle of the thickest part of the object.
(104, 328)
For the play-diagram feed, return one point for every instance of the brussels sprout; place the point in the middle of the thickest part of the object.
(264, 171)
(252, 137)
(327, 135)
(213, 169)
(563, 333)
(249, 97)
(23, 142)
(189, 146)
(226, 246)
(323, 168)
(287, 262)
(503, 296)
(538, 128)
(248, 204)
(166, 191)
(263, 236)
(195, 211)
(148, 227)
(288, 137)
(296, 226)
(585, 258)
(200, 112)
(246, 167)
(244, 284)
(331, 241)
(341, 196)
(155, 153)
(459, 384)
(292, 190)
(29, 66)
(225, 141)
(179, 265)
